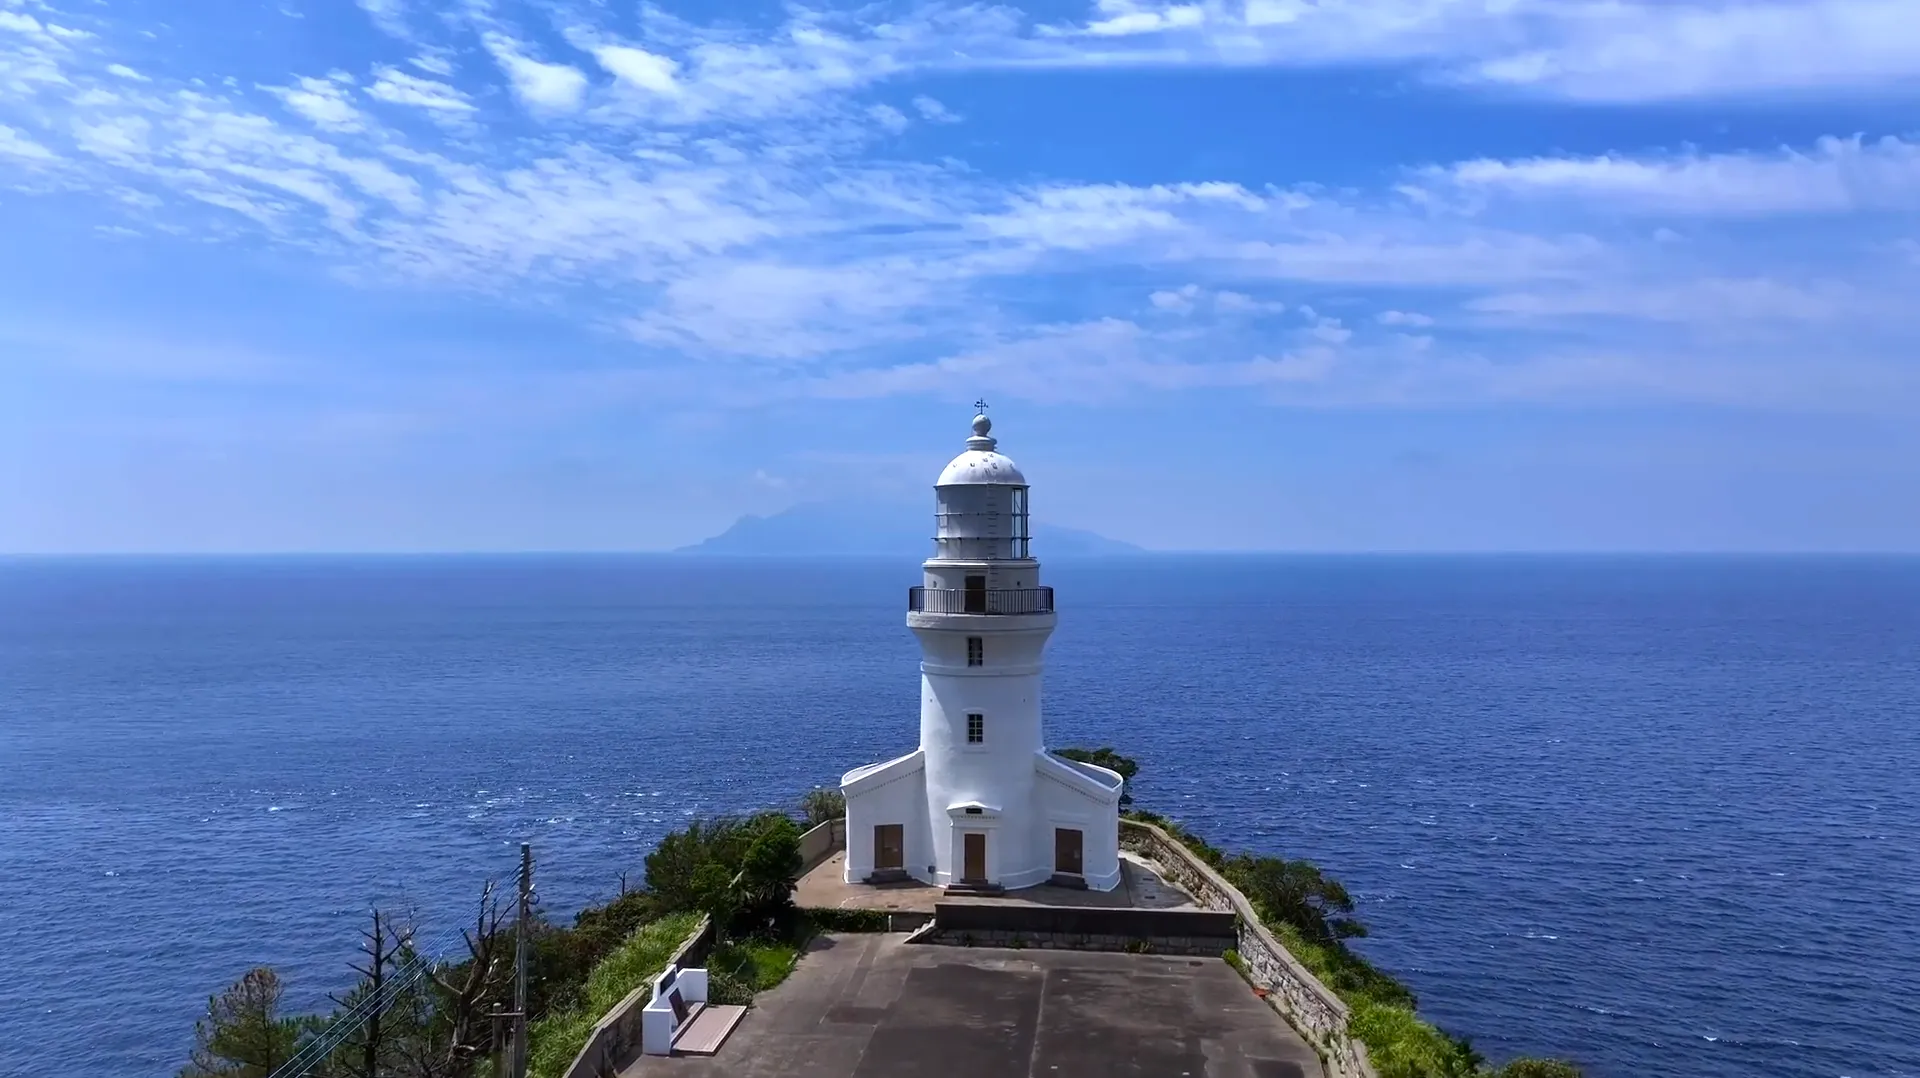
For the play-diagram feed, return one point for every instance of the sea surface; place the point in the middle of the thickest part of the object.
(1658, 815)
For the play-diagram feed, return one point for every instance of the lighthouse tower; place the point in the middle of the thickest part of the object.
(981, 805)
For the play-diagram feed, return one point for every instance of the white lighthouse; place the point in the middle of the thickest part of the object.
(981, 805)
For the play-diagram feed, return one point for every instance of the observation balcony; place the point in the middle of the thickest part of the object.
(923, 600)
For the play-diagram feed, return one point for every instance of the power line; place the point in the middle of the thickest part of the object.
(315, 1051)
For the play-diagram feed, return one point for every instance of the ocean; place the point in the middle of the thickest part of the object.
(1657, 815)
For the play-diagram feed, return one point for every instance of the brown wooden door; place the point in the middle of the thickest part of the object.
(974, 869)
(889, 847)
(1066, 850)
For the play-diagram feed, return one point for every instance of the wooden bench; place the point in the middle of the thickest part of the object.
(706, 1028)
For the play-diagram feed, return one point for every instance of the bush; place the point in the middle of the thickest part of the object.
(819, 806)
(1402, 1046)
(756, 964)
(724, 987)
(1295, 893)
(1538, 1068)
(739, 872)
(839, 920)
(559, 1036)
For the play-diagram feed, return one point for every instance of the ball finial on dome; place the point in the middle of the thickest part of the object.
(981, 425)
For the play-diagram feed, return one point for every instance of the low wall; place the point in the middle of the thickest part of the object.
(1297, 994)
(998, 924)
(616, 1038)
(820, 843)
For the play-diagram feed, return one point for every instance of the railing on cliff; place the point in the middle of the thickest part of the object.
(1311, 1007)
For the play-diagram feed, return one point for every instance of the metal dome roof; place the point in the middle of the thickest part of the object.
(981, 464)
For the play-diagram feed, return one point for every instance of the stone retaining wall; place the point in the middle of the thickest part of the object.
(1202, 946)
(1311, 1007)
(821, 842)
(995, 924)
(616, 1037)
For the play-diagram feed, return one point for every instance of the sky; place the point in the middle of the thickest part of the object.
(1374, 275)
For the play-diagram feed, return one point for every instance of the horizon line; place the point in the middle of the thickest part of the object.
(1141, 552)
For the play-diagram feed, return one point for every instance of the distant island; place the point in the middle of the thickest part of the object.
(847, 528)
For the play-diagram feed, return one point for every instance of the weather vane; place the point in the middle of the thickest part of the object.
(980, 406)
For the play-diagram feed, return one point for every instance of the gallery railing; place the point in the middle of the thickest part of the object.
(980, 600)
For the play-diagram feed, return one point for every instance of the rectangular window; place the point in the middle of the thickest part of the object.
(976, 651)
(976, 729)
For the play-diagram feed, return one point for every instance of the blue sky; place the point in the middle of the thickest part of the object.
(1262, 274)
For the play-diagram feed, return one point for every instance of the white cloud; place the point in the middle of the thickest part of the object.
(540, 85)
(933, 111)
(639, 68)
(1838, 176)
(397, 87)
(730, 197)
(20, 23)
(1600, 50)
(124, 72)
(1403, 318)
(389, 15)
(1179, 300)
(323, 101)
(1652, 51)
(116, 138)
(18, 146)
(1123, 19)
(1241, 303)
(1715, 301)
(434, 62)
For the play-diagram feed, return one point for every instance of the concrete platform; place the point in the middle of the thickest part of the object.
(1141, 887)
(873, 1006)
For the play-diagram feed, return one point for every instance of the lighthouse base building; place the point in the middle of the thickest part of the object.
(982, 805)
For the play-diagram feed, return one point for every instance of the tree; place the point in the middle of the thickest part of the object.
(1295, 893)
(674, 864)
(768, 871)
(467, 989)
(367, 1052)
(821, 805)
(243, 1034)
(1105, 757)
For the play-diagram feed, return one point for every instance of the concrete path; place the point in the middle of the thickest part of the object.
(872, 1006)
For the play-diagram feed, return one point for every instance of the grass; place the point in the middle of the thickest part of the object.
(558, 1037)
(753, 965)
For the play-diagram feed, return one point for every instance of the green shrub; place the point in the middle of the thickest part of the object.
(724, 987)
(559, 1036)
(839, 920)
(820, 805)
(758, 964)
(1538, 1068)
(1402, 1046)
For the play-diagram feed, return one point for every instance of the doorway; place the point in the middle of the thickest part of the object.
(976, 595)
(1066, 850)
(973, 867)
(889, 847)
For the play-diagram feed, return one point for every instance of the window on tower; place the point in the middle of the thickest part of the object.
(976, 651)
(976, 729)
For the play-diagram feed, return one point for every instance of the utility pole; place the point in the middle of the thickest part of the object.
(522, 955)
